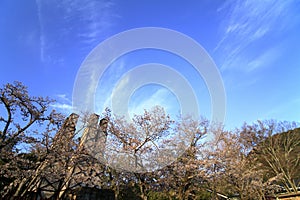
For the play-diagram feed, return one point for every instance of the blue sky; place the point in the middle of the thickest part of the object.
(254, 44)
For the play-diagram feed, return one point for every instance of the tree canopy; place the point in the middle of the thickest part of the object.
(41, 154)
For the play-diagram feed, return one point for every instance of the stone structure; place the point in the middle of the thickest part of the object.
(70, 169)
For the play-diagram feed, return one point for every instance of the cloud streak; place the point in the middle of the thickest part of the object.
(63, 104)
(117, 84)
(161, 97)
(41, 30)
(264, 59)
(107, 83)
(63, 107)
(247, 24)
(89, 20)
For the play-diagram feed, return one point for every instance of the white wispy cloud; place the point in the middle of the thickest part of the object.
(98, 16)
(162, 97)
(41, 30)
(63, 104)
(63, 107)
(125, 94)
(107, 83)
(63, 97)
(264, 59)
(246, 24)
(79, 22)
